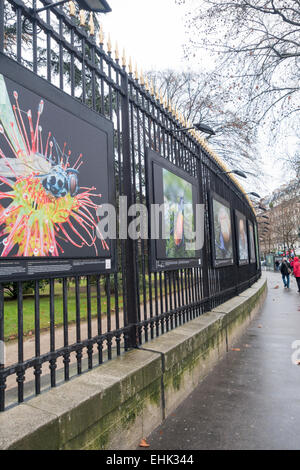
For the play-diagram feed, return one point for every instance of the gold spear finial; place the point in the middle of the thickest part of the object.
(130, 66)
(124, 59)
(117, 51)
(157, 95)
(136, 73)
(72, 9)
(101, 35)
(161, 98)
(82, 17)
(146, 84)
(109, 48)
(91, 25)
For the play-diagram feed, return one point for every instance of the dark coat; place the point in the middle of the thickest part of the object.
(284, 268)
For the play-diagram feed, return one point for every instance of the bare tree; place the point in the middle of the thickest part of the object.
(258, 44)
(201, 100)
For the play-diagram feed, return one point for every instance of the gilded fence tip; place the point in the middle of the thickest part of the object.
(101, 35)
(147, 84)
(72, 9)
(82, 17)
(109, 47)
(136, 73)
(117, 56)
(91, 25)
(130, 66)
(124, 59)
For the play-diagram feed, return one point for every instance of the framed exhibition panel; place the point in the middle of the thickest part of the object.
(56, 169)
(241, 238)
(252, 250)
(176, 193)
(221, 226)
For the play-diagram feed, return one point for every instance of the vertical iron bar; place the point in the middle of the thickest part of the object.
(118, 338)
(61, 57)
(131, 280)
(48, 17)
(166, 298)
(20, 369)
(89, 322)
(34, 40)
(2, 26)
(99, 321)
(19, 35)
(66, 330)
(52, 336)
(108, 316)
(2, 377)
(72, 65)
(83, 76)
(78, 331)
(37, 337)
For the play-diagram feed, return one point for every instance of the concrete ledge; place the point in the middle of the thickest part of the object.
(115, 405)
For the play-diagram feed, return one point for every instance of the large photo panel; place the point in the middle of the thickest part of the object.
(56, 169)
(242, 239)
(221, 231)
(177, 193)
(251, 242)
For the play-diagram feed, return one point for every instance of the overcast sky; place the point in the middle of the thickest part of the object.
(153, 34)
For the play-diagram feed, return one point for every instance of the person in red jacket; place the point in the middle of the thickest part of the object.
(296, 269)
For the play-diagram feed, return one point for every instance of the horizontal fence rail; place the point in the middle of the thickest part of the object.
(55, 329)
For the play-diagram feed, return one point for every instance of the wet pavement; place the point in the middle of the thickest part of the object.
(251, 399)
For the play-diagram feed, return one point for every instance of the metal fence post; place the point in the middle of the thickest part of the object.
(130, 268)
(205, 250)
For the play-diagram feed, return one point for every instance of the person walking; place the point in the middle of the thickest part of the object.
(285, 270)
(277, 265)
(296, 271)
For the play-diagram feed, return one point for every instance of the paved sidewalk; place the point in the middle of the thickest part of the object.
(251, 400)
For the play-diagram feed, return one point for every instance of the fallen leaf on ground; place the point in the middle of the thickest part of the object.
(298, 363)
(143, 443)
(276, 287)
(235, 349)
(259, 326)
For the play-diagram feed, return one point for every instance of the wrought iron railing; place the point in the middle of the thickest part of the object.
(76, 323)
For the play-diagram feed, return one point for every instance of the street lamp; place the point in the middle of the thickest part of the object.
(199, 127)
(236, 172)
(254, 194)
(97, 6)
(261, 208)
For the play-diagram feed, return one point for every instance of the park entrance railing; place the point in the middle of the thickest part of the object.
(54, 328)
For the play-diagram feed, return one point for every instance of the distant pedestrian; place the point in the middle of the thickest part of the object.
(277, 265)
(297, 271)
(285, 270)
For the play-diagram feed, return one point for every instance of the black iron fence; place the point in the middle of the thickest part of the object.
(57, 328)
